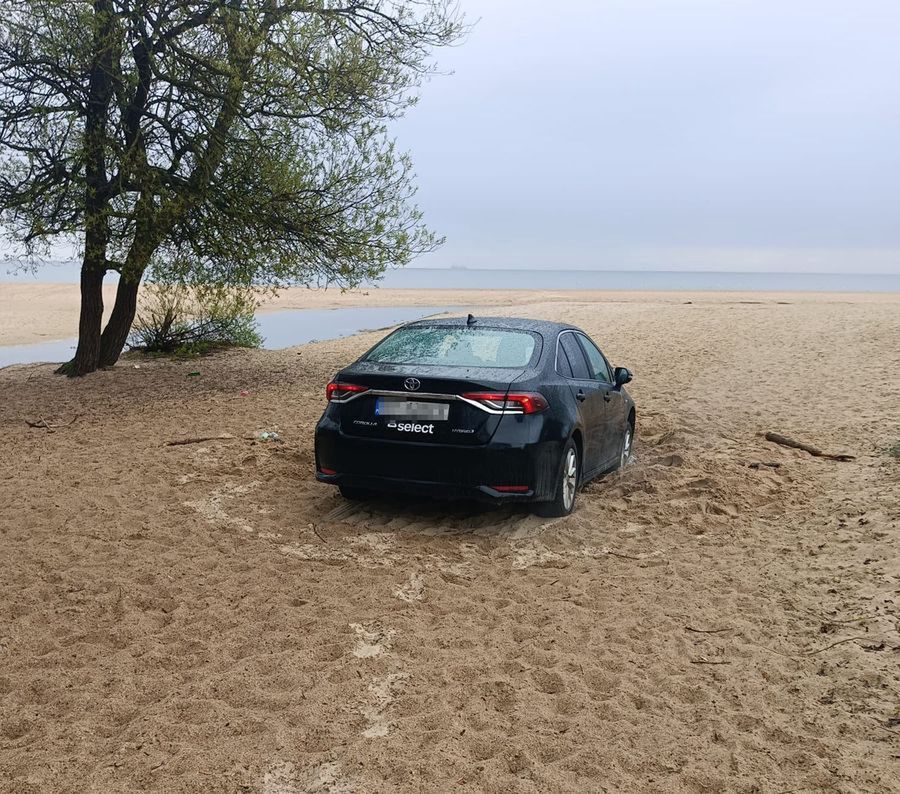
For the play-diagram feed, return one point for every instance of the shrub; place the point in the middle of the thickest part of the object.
(191, 320)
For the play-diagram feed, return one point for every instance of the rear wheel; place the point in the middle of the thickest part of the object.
(566, 485)
(354, 494)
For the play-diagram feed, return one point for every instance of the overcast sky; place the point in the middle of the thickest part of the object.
(665, 134)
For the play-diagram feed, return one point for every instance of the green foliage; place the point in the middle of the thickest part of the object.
(244, 141)
(893, 450)
(194, 320)
(217, 141)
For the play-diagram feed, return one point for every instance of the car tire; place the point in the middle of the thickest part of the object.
(568, 479)
(354, 494)
(626, 447)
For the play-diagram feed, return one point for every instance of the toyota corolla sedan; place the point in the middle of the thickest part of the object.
(495, 408)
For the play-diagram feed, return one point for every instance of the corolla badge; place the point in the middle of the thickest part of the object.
(412, 384)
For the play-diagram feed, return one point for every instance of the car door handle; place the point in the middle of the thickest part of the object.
(581, 396)
(607, 396)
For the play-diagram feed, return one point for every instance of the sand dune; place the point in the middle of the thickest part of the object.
(209, 618)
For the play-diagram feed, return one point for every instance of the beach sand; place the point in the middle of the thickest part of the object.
(43, 312)
(208, 618)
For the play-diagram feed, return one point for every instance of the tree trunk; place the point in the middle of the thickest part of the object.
(96, 200)
(117, 328)
(87, 354)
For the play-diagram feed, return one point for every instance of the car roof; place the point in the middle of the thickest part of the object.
(514, 323)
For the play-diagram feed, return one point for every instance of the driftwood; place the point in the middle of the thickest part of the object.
(777, 438)
(199, 440)
(44, 424)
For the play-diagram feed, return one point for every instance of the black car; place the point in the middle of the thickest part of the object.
(495, 408)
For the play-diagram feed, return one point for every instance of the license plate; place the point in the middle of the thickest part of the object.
(410, 409)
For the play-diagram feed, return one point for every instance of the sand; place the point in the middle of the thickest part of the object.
(208, 618)
(40, 312)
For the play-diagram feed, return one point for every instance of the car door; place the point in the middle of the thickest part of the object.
(591, 401)
(615, 402)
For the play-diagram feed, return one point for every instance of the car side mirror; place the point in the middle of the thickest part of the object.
(623, 376)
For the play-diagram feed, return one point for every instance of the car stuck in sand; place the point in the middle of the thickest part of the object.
(495, 408)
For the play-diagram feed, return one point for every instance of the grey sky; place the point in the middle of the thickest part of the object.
(682, 134)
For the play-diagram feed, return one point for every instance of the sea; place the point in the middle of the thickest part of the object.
(508, 278)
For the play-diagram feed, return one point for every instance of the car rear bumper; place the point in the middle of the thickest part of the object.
(439, 490)
(438, 470)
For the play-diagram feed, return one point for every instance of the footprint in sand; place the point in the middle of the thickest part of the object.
(537, 555)
(212, 508)
(284, 777)
(382, 692)
(371, 550)
(455, 572)
(314, 553)
(375, 548)
(371, 640)
(413, 590)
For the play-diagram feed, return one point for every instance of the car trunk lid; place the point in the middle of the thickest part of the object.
(422, 404)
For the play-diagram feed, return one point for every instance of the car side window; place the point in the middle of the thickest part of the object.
(598, 365)
(563, 367)
(576, 357)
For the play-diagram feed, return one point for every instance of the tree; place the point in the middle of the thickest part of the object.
(226, 141)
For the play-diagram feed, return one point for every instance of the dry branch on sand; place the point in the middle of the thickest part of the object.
(50, 428)
(199, 440)
(784, 441)
(706, 631)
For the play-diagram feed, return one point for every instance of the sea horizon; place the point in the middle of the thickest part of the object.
(463, 277)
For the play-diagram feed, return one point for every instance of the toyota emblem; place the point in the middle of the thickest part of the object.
(412, 384)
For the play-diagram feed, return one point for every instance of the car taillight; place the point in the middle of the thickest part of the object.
(339, 392)
(521, 403)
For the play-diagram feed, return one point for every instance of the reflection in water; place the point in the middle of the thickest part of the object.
(298, 326)
(58, 350)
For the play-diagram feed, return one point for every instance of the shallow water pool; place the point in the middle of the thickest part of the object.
(279, 329)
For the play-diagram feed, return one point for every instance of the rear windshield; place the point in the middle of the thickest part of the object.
(451, 346)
